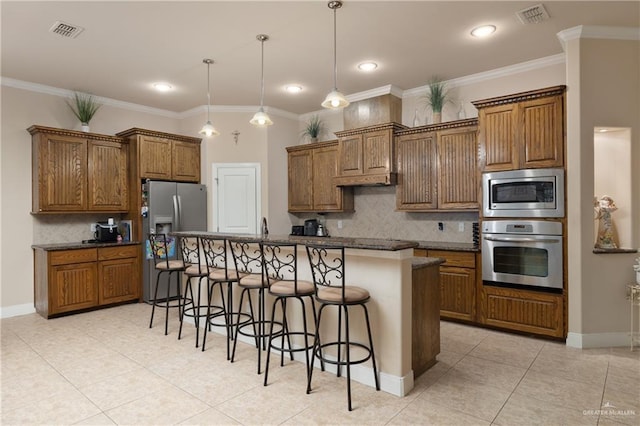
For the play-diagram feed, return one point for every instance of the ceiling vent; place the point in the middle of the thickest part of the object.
(66, 30)
(533, 14)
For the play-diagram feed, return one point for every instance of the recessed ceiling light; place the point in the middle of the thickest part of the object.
(603, 130)
(293, 88)
(367, 66)
(483, 31)
(162, 87)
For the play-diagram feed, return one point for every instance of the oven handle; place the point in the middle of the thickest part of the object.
(523, 240)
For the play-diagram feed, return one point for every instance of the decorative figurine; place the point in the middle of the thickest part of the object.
(603, 208)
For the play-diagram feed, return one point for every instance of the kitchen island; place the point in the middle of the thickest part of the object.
(386, 269)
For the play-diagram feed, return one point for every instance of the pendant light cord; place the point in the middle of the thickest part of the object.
(335, 56)
(262, 39)
(208, 90)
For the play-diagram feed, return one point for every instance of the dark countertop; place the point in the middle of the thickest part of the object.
(355, 243)
(424, 262)
(80, 245)
(444, 245)
(614, 250)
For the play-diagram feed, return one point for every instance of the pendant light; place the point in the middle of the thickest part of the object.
(261, 118)
(335, 99)
(208, 130)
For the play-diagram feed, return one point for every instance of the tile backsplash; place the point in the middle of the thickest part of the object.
(375, 217)
(66, 228)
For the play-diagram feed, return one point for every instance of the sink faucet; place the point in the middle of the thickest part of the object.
(265, 230)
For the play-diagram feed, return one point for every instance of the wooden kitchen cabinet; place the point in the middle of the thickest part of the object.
(366, 155)
(437, 167)
(164, 156)
(70, 280)
(522, 131)
(311, 171)
(523, 310)
(78, 172)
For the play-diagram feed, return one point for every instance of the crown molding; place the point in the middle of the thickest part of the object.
(598, 32)
(493, 74)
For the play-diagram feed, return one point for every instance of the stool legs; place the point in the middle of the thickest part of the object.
(196, 307)
(221, 311)
(166, 300)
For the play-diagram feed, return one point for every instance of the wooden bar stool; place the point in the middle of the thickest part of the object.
(328, 272)
(281, 271)
(160, 249)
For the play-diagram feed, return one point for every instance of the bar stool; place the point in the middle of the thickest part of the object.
(247, 257)
(161, 250)
(328, 272)
(281, 271)
(192, 307)
(214, 250)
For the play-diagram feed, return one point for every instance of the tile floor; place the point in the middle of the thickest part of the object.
(108, 367)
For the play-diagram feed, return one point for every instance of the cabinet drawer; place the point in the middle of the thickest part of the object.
(65, 257)
(121, 252)
(455, 258)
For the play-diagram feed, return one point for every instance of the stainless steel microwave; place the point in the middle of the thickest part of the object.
(523, 193)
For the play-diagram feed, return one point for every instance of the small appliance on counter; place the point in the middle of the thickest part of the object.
(311, 227)
(322, 231)
(106, 232)
(297, 230)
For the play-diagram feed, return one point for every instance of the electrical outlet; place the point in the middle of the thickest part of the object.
(460, 226)
(339, 224)
(93, 227)
(440, 226)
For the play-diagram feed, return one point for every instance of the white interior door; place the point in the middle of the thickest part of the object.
(236, 198)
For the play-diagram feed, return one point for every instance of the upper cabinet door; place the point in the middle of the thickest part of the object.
(498, 144)
(155, 158)
(108, 188)
(300, 180)
(542, 132)
(458, 169)
(376, 149)
(185, 161)
(350, 156)
(416, 190)
(59, 173)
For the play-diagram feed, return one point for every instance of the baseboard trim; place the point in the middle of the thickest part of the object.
(17, 310)
(597, 340)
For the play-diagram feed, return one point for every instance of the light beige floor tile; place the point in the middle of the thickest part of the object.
(97, 420)
(560, 391)
(622, 407)
(22, 391)
(525, 410)
(62, 408)
(85, 371)
(622, 381)
(124, 388)
(581, 369)
(513, 350)
(455, 392)
(210, 417)
(484, 372)
(166, 406)
(421, 413)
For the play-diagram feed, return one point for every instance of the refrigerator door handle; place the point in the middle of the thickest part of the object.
(176, 213)
(179, 213)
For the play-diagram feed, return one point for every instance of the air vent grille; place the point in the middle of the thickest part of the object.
(533, 14)
(66, 30)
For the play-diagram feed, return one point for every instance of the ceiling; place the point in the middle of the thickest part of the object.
(126, 46)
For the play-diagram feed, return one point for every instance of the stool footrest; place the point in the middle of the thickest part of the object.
(343, 360)
(284, 336)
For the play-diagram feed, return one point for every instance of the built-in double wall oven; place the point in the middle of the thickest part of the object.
(522, 244)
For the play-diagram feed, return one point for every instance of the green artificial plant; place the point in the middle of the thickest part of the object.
(84, 107)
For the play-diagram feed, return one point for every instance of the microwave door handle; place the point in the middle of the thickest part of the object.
(523, 240)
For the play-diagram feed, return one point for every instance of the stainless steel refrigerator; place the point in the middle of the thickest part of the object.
(172, 206)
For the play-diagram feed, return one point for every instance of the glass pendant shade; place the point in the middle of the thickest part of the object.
(335, 99)
(261, 119)
(208, 130)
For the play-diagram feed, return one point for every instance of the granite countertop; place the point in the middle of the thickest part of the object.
(445, 245)
(423, 262)
(355, 243)
(80, 245)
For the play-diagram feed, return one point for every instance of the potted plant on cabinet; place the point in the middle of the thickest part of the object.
(437, 97)
(84, 107)
(314, 127)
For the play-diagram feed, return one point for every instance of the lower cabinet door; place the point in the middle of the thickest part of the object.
(118, 280)
(457, 293)
(528, 311)
(73, 287)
